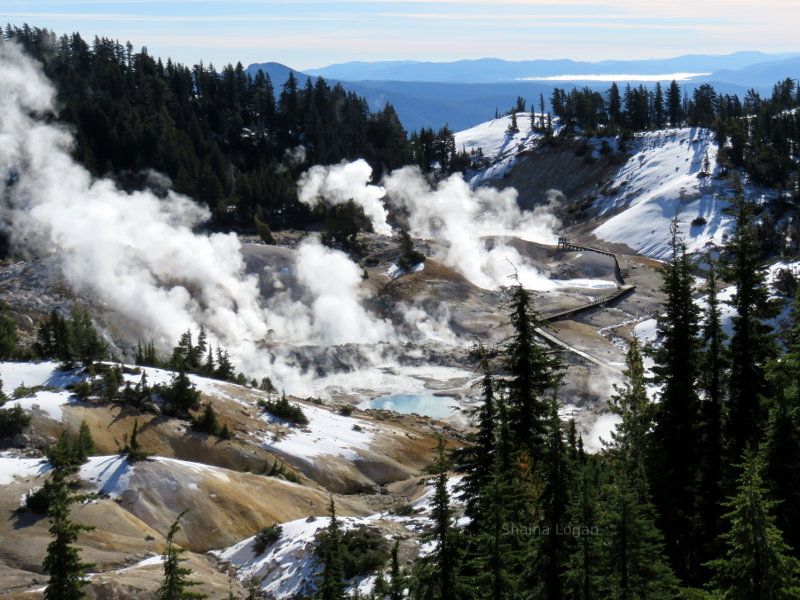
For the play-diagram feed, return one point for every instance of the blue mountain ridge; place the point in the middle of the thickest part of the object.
(464, 105)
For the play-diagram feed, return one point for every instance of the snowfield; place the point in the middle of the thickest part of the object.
(327, 433)
(661, 180)
(663, 177)
(288, 568)
(34, 374)
(499, 146)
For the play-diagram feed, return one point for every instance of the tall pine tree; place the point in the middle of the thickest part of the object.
(757, 564)
(332, 585)
(781, 445)
(674, 442)
(436, 576)
(534, 373)
(63, 563)
(176, 578)
(630, 546)
(752, 345)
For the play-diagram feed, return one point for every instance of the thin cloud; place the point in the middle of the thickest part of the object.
(172, 18)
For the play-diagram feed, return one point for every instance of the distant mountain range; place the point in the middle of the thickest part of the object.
(492, 70)
(464, 93)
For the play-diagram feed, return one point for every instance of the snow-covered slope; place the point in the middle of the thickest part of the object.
(327, 433)
(499, 146)
(664, 176)
(663, 179)
(288, 568)
(38, 374)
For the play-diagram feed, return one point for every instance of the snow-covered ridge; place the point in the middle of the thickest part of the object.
(670, 172)
(55, 396)
(499, 146)
(289, 568)
(665, 177)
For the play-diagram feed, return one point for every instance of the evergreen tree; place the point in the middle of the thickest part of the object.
(435, 576)
(659, 114)
(85, 446)
(63, 563)
(674, 104)
(502, 538)
(13, 420)
(713, 369)
(630, 546)
(207, 422)
(555, 472)
(781, 445)
(477, 459)
(87, 345)
(9, 338)
(176, 578)
(675, 443)
(534, 373)
(614, 105)
(408, 256)
(397, 580)
(332, 585)
(181, 395)
(580, 577)
(757, 564)
(133, 449)
(499, 557)
(752, 344)
(146, 355)
(512, 126)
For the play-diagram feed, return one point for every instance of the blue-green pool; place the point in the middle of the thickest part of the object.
(429, 405)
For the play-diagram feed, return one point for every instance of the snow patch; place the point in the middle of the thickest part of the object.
(663, 178)
(327, 433)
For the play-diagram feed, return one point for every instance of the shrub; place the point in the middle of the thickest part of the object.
(180, 396)
(208, 423)
(364, 551)
(698, 221)
(403, 509)
(278, 469)
(38, 500)
(284, 410)
(408, 255)
(346, 410)
(266, 537)
(23, 391)
(13, 421)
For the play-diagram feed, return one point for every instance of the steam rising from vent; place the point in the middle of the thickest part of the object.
(325, 308)
(461, 216)
(452, 213)
(139, 256)
(347, 181)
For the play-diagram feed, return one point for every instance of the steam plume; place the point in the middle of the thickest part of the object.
(138, 254)
(347, 181)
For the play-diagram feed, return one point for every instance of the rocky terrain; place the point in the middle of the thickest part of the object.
(415, 335)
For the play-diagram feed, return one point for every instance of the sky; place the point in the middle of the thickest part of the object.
(315, 33)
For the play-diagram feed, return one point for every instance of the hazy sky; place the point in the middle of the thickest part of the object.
(315, 33)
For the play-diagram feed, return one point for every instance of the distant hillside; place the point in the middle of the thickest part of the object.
(492, 70)
(463, 94)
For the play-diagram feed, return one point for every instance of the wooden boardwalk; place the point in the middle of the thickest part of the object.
(620, 271)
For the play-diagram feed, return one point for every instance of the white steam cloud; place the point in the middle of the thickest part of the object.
(460, 217)
(138, 254)
(346, 181)
(452, 213)
(327, 308)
